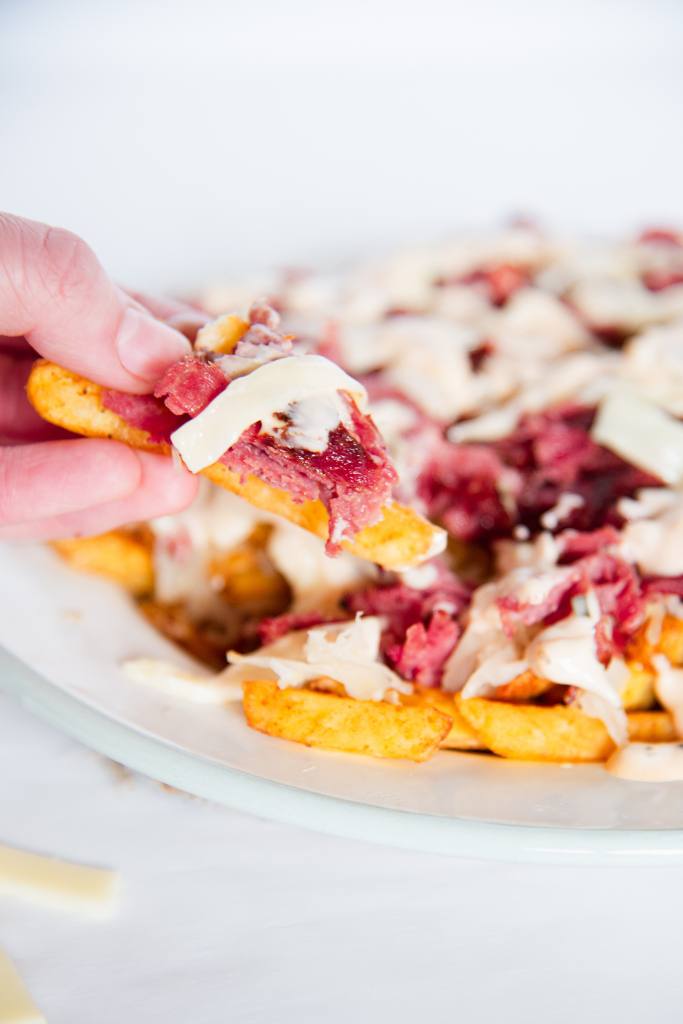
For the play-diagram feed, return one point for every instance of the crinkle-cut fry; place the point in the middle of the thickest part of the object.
(120, 555)
(527, 732)
(332, 722)
(461, 735)
(399, 540)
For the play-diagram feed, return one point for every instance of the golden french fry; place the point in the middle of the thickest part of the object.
(651, 727)
(461, 735)
(523, 687)
(528, 732)
(671, 640)
(639, 692)
(331, 722)
(402, 538)
(246, 578)
(121, 555)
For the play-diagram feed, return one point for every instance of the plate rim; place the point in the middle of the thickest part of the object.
(161, 760)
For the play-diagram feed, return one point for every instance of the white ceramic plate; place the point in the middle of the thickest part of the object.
(66, 634)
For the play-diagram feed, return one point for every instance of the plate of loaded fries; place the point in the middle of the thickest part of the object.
(431, 590)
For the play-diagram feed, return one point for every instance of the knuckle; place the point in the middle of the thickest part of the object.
(66, 263)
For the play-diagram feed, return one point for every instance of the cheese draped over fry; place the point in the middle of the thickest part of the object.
(346, 652)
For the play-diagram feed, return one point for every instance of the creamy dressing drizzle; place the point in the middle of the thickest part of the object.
(648, 762)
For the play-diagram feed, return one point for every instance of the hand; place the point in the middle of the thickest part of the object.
(56, 301)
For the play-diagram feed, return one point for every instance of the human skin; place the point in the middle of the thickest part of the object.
(56, 301)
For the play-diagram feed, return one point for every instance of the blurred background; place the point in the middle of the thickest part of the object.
(189, 141)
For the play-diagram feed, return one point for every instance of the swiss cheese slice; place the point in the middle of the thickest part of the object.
(16, 1005)
(58, 882)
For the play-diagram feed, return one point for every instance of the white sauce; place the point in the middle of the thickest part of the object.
(197, 687)
(648, 762)
(270, 389)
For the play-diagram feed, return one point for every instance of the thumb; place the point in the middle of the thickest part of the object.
(54, 291)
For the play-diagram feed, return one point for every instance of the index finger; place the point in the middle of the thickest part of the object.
(54, 291)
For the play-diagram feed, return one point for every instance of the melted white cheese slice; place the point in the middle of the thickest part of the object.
(347, 652)
(16, 1005)
(641, 433)
(259, 395)
(48, 880)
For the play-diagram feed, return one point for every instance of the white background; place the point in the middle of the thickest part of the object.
(186, 141)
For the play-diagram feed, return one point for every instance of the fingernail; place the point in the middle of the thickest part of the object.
(146, 347)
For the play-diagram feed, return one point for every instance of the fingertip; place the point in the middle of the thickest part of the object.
(147, 347)
(172, 487)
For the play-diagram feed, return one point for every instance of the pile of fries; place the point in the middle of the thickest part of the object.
(462, 338)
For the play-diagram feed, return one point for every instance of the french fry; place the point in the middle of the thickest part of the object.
(527, 732)
(639, 692)
(523, 687)
(246, 578)
(651, 727)
(671, 640)
(121, 555)
(461, 735)
(402, 538)
(331, 722)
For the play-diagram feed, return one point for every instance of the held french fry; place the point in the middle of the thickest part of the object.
(332, 722)
(402, 538)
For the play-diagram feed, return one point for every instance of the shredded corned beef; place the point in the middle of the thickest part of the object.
(422, 624)
(461, 486)
(614, 583)
(481, 491)
(423, 653)
(144, 412)
(574, 544)
(663, 585)
(271, 629)
(499, 282)
(658, 280)
(352, 477)
(189, 385)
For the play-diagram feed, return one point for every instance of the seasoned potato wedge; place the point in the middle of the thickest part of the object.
(523, 687)
(651, 727)
(528, 732)
(121, 555)
(402, 538)
(460, 736)
(332, 722)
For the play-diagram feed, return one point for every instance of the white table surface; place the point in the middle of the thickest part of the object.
(225, 917)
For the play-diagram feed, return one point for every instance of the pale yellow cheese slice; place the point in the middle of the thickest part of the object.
(57, 882)
(16, 1005)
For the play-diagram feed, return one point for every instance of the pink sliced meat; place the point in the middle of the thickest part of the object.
(663, 585)
(424, 651)
(461, 486)
(143, 412)
(189, 385)
(422, 625)
(277, 626)
(352, 477)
